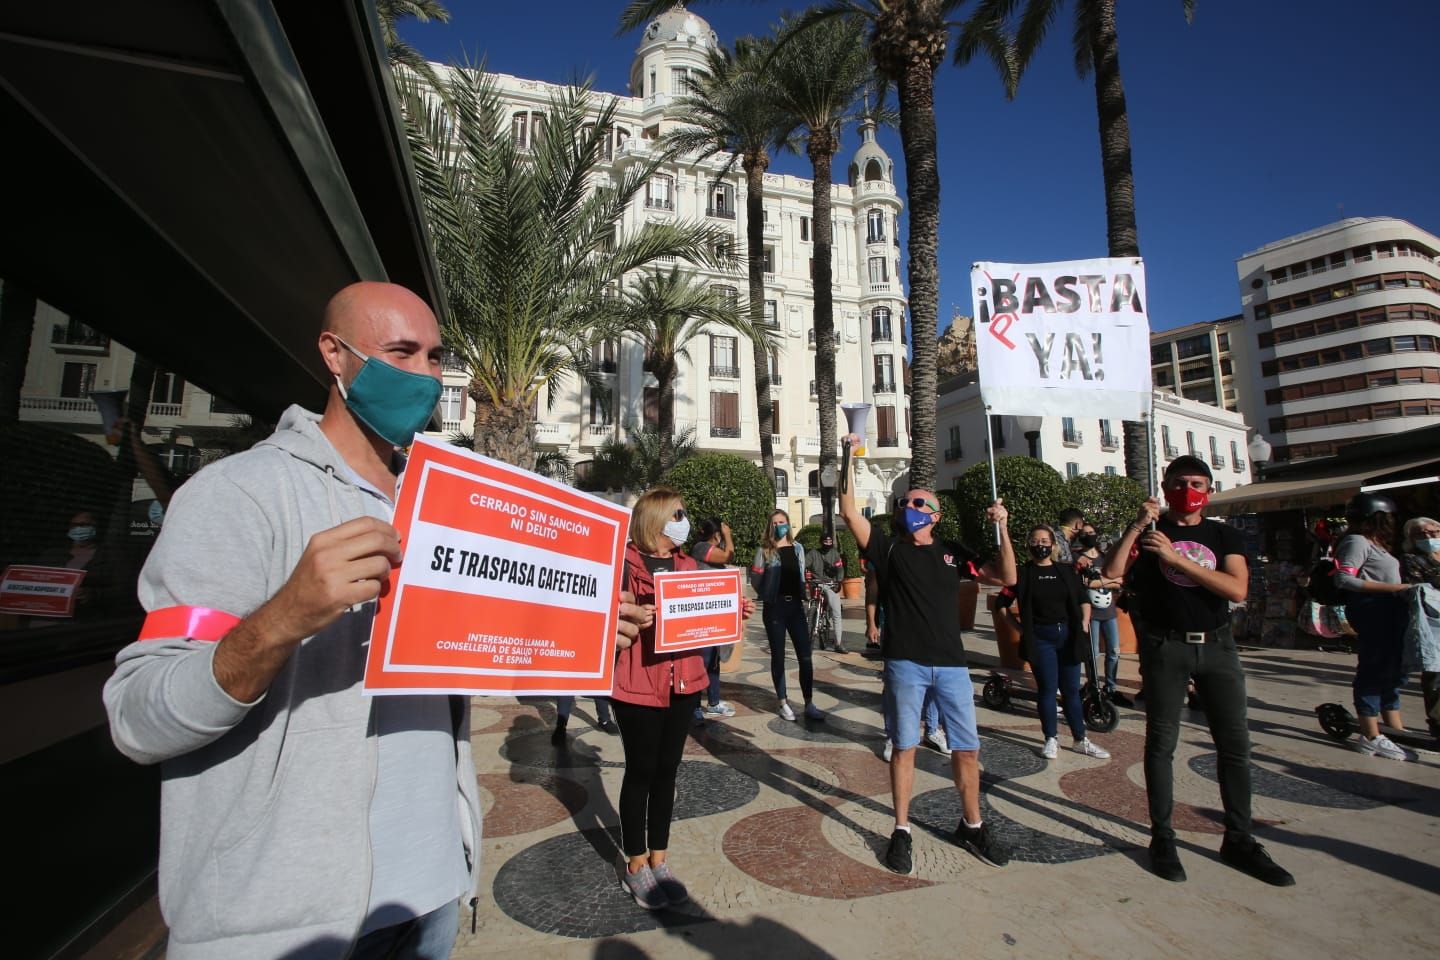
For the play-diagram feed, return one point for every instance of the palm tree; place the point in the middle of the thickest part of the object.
(396, 49)
(635, 465)
(820, 79)
(528, 242)
(1097, 49)
(665, 312)
(732, 108)
(907, 40)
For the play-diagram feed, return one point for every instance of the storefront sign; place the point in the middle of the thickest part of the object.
(39, 591)
(696, 608)
(508, 582)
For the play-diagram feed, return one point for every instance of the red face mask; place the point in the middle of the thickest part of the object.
(1186, 500)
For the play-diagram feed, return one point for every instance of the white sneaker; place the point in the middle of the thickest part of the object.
(785, 712)
(1382, 746)
(1051, 750)
(889, 750)
(936, 739)
(1088, 749)
(718, 710)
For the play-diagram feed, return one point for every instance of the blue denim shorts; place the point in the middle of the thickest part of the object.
(906, 683)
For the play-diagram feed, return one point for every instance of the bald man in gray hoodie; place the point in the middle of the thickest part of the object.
(298, 817)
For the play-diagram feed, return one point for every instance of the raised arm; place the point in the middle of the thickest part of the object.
(1118, 560)
(849, 512)
(1000, 571)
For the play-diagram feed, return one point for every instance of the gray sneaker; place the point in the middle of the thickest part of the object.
(670, 885)
(642, 885)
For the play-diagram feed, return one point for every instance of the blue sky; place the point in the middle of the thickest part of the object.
(1260, 119)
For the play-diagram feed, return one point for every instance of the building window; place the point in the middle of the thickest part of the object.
(880, 325)
(1068, 433)
(768, 259)
(884, 373)
(722, 201)
(1072, 470)
(520, 130)
(953, 450)
(775, 369)
(879, 270)
(723, 362)
(772, 314)
(169, 388)
(804, 229)
(885, 426)
(1110, 470)
(660, 192)
(1170, 450)
(724, 414)
(452, 406)
(651, 400)
(875, 226)
(77, 380)
(1190, 443)
(602, 406)
(729, 294)
(782, 483)
(606, 141)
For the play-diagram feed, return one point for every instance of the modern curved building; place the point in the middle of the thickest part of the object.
(715, 394)
(1342, 333)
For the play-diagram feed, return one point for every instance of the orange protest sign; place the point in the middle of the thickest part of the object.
(39, 591)
(696, 608)
(508, 583)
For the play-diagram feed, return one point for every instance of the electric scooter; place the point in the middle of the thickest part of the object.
(1100, 714)
(1340, 724)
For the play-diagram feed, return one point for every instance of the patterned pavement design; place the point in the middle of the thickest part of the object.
(1279, 786)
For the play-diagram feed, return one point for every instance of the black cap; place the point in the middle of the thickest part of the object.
(1189, 466)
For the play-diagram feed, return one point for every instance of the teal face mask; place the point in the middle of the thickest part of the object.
(396, 404)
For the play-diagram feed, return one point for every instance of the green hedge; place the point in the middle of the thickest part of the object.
(1107, 502)
(1033, 492)
(731, 488)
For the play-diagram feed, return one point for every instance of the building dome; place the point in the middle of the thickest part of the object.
(871, 162)
(679, 24)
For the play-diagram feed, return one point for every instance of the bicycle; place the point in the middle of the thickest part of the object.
(817, 612)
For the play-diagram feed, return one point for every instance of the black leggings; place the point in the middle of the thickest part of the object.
(654, 739)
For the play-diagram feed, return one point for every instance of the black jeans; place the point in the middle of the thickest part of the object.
(654, 739)
(1166, 664)
(783, 616)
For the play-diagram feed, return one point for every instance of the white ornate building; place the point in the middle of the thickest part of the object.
(715, 393)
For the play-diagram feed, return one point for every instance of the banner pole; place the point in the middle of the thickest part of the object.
(990, 454)
(1149, 419)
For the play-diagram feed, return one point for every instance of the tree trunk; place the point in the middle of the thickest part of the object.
(922, 174)
(503, 432)
(822, 150)
(1121, 234)
(665, 373)
(755, 166)
(17, 324)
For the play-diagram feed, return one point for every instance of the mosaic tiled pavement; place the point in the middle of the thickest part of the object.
(781, 827)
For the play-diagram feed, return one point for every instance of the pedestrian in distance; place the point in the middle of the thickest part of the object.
(1187, 571)
(1104, 614)
(777, 574)
(919, 578)
(1421, 565)
(1071, 520)
(563, 708)
(655, 694)
(1054, 627)
(826, 567)
(714, 548)
(1368, 576)
(298, 817)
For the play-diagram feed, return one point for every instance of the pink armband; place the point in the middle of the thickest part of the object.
(194, 623)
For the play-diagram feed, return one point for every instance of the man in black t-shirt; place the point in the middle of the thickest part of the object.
(919, 578)
(1186, 572)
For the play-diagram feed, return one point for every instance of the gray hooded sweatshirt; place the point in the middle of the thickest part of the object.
(264, 837)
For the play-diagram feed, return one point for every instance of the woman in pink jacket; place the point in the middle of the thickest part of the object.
(654, 698)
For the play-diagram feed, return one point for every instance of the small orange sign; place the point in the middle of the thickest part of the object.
(508, 583)
(39, 591)
(696, 608)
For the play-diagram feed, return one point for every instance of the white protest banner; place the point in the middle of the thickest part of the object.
(1063, 339)
(696, 608)
(508, 584)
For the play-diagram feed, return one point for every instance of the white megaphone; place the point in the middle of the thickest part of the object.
(857, 416)
(111, 404)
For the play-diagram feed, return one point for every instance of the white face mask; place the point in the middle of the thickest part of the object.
(678, 530)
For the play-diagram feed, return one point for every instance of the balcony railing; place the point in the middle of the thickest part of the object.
(952, 454)
(776, 441)
(888, 442)
(880, 336)
(1217, 460)
(1109, 442)
(1239, 465)
(1171, 451)
(723, 213)
(730, 432)
(1072, 438)
(74, 334)
(451, 426)
(725, 373)
(879, 286)
(883, 386)
(595, 434)
(659, 203)
(549, 433)
(875, 238)
(776, 378)
(771, 229)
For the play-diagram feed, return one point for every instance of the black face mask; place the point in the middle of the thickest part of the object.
(826, 546)
(1086, 540)
(1040, 552)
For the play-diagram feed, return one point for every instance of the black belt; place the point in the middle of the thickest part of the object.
(1194, 636)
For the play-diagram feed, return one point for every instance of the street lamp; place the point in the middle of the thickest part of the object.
(1030, 427)
(1259, 449)
(828, 477)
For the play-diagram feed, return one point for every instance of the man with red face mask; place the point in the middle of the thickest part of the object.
(1186, 573)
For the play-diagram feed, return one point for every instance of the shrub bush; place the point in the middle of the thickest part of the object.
(731, 488)
(1107, 502)
(1033, 493)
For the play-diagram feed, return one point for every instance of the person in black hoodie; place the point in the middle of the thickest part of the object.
(1054, 627)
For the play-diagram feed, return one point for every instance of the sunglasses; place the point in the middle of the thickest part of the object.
(917, 503)
(679, 514)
